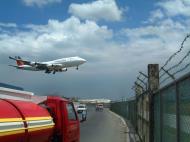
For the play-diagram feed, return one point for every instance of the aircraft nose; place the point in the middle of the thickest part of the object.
(84, 60)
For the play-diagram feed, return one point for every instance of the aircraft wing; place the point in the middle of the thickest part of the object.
(40, 65)
(48, 66)
(55, 66)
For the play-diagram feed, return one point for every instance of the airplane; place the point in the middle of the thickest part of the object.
(59, 65)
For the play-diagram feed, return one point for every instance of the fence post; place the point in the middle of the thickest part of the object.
(153, 85)
(138, 90)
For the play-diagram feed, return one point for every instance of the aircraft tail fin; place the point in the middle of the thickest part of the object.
(18, 60)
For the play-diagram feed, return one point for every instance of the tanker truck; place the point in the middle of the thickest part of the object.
(52, 120)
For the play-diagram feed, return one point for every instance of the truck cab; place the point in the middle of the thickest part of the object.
(66, 119)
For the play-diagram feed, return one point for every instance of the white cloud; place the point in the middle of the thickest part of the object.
(155, 16)
(40, 3)
(150, 43)
(97, 10)
(72, 37)
(176, 7)
(162, 32)
(8, 25)
(67, 38)
(138, 47)
(155, 43)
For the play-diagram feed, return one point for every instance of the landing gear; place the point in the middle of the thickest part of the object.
(54, 72)
(77, 68)
(47, 71)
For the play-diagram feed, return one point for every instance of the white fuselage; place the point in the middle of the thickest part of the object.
(67, 62)
(58, 64)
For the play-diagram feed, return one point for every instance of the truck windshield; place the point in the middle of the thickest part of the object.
(71, 112)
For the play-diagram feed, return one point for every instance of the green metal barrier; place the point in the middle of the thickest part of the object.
(126, 109)
(171, 113)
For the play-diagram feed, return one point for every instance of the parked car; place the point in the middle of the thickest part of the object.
(82, 112)
(99, 107)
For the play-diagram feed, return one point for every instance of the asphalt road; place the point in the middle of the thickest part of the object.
(102, 127)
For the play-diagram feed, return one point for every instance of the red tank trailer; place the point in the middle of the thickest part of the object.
(53, 120)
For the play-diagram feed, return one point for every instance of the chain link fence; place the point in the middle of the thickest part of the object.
(161, 115)
(171, 113)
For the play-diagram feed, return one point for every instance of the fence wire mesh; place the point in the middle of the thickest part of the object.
(184, 99)
(165, 113)
(169, 115)
(157, 118)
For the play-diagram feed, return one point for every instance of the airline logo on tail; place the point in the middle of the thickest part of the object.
(19, 62)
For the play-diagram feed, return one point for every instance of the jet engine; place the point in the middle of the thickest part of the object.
(62, 70)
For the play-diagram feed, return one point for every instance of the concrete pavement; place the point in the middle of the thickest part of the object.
(103, 127)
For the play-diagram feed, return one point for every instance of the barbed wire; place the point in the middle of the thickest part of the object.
(178, 71)
(142, 81)
(176, 65)
(171, 57)
(161, 82)
(180, 62)
(182, 69)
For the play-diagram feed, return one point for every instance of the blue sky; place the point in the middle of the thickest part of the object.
(117, 37)
(17, 12)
